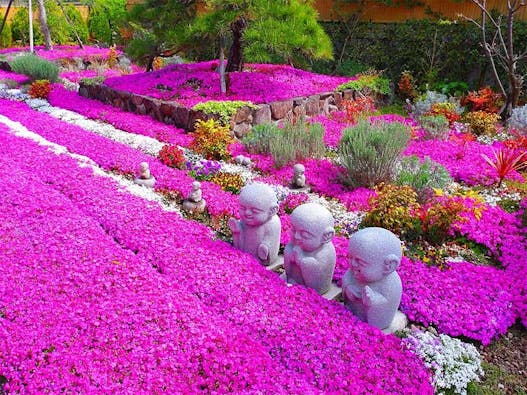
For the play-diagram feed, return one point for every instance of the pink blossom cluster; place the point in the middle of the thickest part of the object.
(129, 122)
(63, 52)
(9, 75)
(87, 310)
(111, 155)
(189, 84)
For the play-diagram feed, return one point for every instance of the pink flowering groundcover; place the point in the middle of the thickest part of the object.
(61, 52)
(189, 84)
(123, 304)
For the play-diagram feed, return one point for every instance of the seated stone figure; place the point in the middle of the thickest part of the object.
(195, 203)
(258, 229)
(145, 178)
(371, 287)
(310, 258)
(299, 177)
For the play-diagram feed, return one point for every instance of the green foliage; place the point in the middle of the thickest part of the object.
(77, 24)
(422, 175)
(396, 47)
(93, 80)
(258, 140)
(104, 19)
(59, 28)
(434, 126)
(6, 36)
(297, 141)
(278, 31)
(369, 151)
(158, 27)
(454, 88)
(373, 82)
(35, 67)
(224, 109)
(20, 28)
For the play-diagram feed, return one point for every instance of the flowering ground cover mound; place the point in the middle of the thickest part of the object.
(8, 75)
(189, 84)
(61, 52)
(130, 314)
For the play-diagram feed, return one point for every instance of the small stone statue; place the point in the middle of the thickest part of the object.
(243, 160)
(310, 258)
(195, 203)
(258, 230)
(371, 287)
(145, 178)
(299, 177)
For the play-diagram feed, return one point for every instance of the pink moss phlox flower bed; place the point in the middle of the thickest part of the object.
(189, 84)
(111, 155)
(63, 52)
(463, 161)
(19, 78)
(119, 325)
(132, 123)
(76, 76)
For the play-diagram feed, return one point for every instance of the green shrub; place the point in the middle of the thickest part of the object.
(258, 140)
(369, 151)
(434, 126)
(20, 28)
(6, 36)
(104, 19)
(422, 175)
(297, 141)
(224, 109)
(35, 67)
(371, 81)
(77, 24)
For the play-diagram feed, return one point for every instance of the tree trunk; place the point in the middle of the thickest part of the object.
(44, 24)
(235, 60)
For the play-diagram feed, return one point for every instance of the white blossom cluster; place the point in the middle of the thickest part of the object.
(453, 362)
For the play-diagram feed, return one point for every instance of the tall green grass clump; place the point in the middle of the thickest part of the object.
(294, 142)
(369, 151)
(35, 67)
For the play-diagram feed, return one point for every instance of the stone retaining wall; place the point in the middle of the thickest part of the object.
(185, 118)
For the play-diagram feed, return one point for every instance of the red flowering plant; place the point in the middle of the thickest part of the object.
(448, 110)
(172, 155)
(40, 89)
(484, 99)
(406, 86)
(506, 161)
(361, 107)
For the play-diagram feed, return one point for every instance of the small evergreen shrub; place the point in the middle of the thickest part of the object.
(211, 139)
(422, 175)
(6, 37)
(368, 80)
(482, 123)
(369, 151)
(35, 67)
(297, 141)
(40, 89)
(518, 120)
(20, 28)
(434, 126)
(77, 24)
(258, 140)
(224, 109)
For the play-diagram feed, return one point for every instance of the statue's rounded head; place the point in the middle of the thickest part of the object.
(311, 226)
(196, 185)
(373, 253)
(143, 166)
(299, 168)
(258, 204)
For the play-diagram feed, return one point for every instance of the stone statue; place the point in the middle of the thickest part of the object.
(299, 178)
(258, 230)
(243, 160)
(195, 203)
(371, 287)
(310, 258)
(145, 178)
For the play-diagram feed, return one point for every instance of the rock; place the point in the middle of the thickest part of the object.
(279, 109)
(242, 129)
(262, 114)
(243, 114)
(312, 105)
